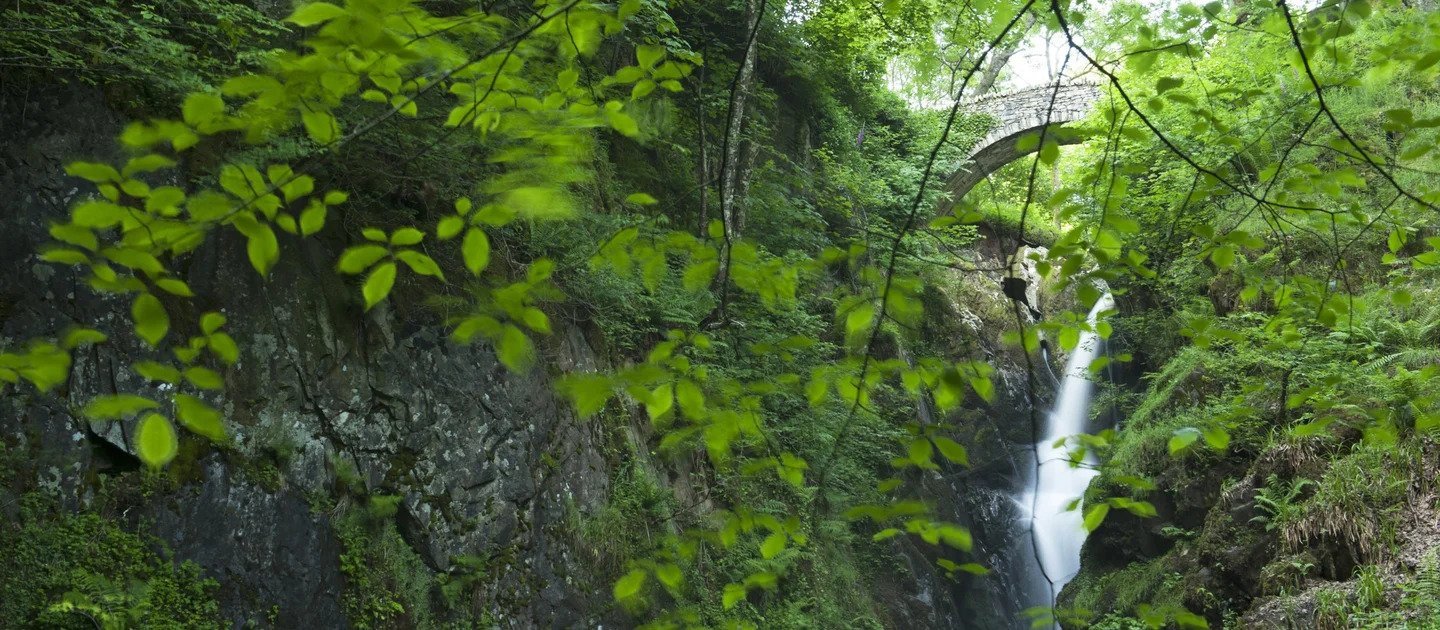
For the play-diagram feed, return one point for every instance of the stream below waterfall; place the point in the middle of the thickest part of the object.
(1057, 533)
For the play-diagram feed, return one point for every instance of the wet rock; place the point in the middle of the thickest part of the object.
(319, 382)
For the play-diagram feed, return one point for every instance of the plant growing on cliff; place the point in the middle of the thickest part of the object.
(1278, 502)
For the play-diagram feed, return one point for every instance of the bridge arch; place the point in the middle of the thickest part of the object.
(1016, 114)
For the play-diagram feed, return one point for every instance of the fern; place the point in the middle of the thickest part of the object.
(1277, 501)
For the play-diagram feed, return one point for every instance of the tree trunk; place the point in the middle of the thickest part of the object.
(730, 183)
(999, 57)
(747, 166)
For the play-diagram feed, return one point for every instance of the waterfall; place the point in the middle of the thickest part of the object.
(1058, 533)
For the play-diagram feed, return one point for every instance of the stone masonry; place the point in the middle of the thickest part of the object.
(1016, 114)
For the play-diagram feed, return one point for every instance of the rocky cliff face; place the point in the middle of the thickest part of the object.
(485, 463)
(332, 410)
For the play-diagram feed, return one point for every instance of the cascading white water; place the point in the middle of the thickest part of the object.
(1058, 533)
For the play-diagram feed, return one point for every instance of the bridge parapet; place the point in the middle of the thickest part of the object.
(1026, 109)
(1016, 114)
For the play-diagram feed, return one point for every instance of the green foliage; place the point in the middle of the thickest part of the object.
(631, 523)
(167, 48)
(72, 570)
(386, 583)
(775, 350)
(1380, 601)
(1277, 502)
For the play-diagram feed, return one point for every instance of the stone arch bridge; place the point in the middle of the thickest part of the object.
(1016, 114)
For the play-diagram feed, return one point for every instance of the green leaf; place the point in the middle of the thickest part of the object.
(642, 89)
(204, 378)
(211, 322)
(641, 199)
(199, 417)
(539, 202)
(669, 575)
(734, 594)
(155, 441)
(201, 108)
(1426, 61)
(1049, 152)
(921, 452)
(224, 347)
(449, 227)
(699, 274)
(1217, 438)
(293, 186)
(156, 371)
(884, 534)
(314, 13)
(77, 337)
(1095, 515)
(75, 235)
(260, 245)
(649, 56)
(320, 126)
(567, 79)
(476, 250)
(1165, 84)
(151, 320)
(952, 450)
(406, 236)
(773, 545)
(1191, 621)
(174, 287)
(93, 171)
(516, 351)
(1223, 256)
(312, 219)
(816, 390)
(420, 263)
(628, 587)
(692, 400)
(61, 256)
(589, 392)
(974, 569)
(660, 402)
(1401, 297)
(984, 388)
(117, 406)
(623, 123)
(263, 249)
(1142, 509)
(792, 469)
(1182, 439)
(359, 258)
(136, 259)
(378, 284)
(98, 214)
(859, 318)
(956, 536)
(1138, 483)
(475, 325)
(629, 74)
(146, 164)
(536, 320)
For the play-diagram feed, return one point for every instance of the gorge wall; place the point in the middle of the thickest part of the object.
(372, 459)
